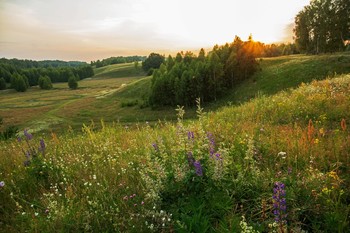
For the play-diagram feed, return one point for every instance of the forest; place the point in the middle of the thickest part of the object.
(21, 74)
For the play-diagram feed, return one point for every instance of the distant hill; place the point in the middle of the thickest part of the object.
(275, 75)
(118, 71)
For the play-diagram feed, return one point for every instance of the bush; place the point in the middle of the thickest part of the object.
(72, 82)
(45, 83)
(9, 132)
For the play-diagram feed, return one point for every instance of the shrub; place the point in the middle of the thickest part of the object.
(72, 82)
(45, 83)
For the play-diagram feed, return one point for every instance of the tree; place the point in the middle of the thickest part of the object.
(216, 72)
(19, 82)
(45, 83)
(323, 26)
(153, 61)
(72, 82)
(2, 84)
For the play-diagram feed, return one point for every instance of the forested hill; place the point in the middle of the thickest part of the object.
(24, 64)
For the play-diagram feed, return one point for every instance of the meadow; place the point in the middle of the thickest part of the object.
(269, 161)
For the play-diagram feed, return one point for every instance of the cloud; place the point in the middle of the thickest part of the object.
(90, 29)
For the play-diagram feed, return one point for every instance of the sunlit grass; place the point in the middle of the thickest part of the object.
(144, 179)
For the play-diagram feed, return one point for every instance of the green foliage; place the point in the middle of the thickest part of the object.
(2, 84)
(206, 77)
(57, 71)
(19, 82)
(323, 26)
(72, 82)
(9, 132)
(117, 60)
(153, 61)
(45, 83)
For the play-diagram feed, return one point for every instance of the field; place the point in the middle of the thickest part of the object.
(274, 156)
(61, 107)
(119, 93)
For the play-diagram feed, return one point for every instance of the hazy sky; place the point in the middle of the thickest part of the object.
(95, 29)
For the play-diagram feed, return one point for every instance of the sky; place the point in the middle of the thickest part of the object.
(87, 30)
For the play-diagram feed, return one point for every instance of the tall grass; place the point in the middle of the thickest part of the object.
(274, 164)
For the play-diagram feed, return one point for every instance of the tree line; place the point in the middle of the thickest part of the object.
(25, 63)
(117, 60)
(323, 26)
(13, 75)
(186, 77)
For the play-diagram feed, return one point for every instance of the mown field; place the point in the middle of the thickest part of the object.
(278, 162)
(60, 108)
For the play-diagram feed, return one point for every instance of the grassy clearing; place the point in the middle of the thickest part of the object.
(281, 161)
(59, 108)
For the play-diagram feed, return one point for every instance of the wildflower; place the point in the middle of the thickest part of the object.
(42, 145)
(198, 167)
(218, 156)
(343, 124)
(142, 202)
(19, 139)
(2, 184)
(155, 146)
(190, 135)
(28, 135)
(211, 144)
(190, 158)
(125, 198)
(282, 154)
(279, 203)
(94, 177)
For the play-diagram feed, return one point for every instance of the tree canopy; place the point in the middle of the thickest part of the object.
(153, 61)
(183, 79)
(323, 26)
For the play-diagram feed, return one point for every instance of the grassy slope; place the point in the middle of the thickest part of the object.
(281, 73)
(90, 179)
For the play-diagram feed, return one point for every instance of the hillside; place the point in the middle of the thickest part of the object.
(61, 108)
(281, 161)
(119, 93)
(281, 73)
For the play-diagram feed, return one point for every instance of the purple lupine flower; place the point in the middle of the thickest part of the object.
(218, 156)
(28, 136)
(190, 135)
(211, 144)
(190, 158)
(279, 203)
(19, 139)
(198, 167)
(42, 145)
(155, 146)
(27, 154)
(2, 184)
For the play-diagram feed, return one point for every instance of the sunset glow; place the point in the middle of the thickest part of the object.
(90, 30)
